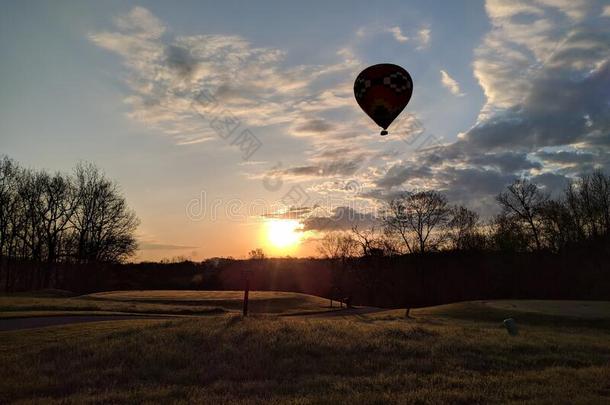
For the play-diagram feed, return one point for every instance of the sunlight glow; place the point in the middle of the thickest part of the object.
(283, 234)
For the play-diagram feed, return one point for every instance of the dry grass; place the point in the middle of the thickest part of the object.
(159, 302)
(451, 355)
(269, 302)
(574, 309)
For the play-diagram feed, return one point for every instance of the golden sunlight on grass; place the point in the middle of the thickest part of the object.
(283, 234)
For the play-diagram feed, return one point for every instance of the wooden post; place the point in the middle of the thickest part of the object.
(246, 292)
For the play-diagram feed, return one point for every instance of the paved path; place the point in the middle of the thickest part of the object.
(43, 321)
(341, 312)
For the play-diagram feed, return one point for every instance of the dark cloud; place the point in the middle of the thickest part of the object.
(559, 102)
(180, 59)
(292, 213)
(383, 194)
(401, 173)
(333, 153)
(566, 157)
(314, 125)
(552, 183)
(341, 218)
(560, 109)
(325, 169)
(504, 162)
(472, 183)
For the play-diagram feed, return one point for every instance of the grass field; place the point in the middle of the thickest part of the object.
(159, 302)
(455, 353)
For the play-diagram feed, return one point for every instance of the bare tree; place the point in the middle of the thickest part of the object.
(369, 240)
(558, 227)
(337, 245)
(256, 254)
(103, 223)
(47, 218)
(523, 200)
(463, 228)
(9, 174)
(419, 219)
(588, 201)
(30, 200)
(508, 235)
(396, 222)
(58, 202)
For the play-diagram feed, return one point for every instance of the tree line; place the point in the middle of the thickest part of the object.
(47, 219)
(529, 220)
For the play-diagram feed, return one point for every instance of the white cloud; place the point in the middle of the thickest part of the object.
(606, 11)
(451, 84)
(141, 22)
(543, 67)
(423, 38)
(167, 73)
(398, 35)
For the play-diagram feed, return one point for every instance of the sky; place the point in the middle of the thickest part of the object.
(232, 125)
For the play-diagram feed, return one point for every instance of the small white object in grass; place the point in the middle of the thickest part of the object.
(511, 326)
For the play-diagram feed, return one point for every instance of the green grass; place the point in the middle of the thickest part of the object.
(158, 302)
(451, 354)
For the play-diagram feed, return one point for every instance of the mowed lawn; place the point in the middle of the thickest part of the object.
(456, 353)
(158, 302)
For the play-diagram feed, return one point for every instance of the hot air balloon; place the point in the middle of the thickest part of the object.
(383, 91)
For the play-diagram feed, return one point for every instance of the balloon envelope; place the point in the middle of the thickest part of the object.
(383, 91)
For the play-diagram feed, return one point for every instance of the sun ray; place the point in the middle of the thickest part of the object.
(282, 234)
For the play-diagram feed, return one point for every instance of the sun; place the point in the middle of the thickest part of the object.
(283, 233)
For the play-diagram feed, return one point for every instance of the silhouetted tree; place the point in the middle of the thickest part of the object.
(256, 254)
(337, 247)
(58, 202)
(557, 225)
(47, 218)
(588, 201)
(103, 224)
(463, 229)
(508, 235)
(522, 201)
(419, 219)
(9, 173)
(369, 240)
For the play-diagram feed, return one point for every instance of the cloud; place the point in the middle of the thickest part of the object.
(544, 68)
(423, 38)
(339, 167)
(552, 183)
(566, 157)
(141, 23)
(451, 84)
(397, 34)
(313, 126)
(400, 173)
(545, 71)
(166, 73)
(290, 213)
(606, 11)
(340, 218)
